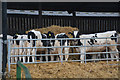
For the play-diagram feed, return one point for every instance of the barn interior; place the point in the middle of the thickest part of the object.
(20, 23)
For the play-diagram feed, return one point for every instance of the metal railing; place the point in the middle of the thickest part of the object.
(40, 55)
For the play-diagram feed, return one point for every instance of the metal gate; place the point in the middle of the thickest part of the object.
(10, 47)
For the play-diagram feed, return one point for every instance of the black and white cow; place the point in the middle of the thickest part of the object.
(18, 43)
(33, 34)
(8, 36)
(58, 43)
(91, 42)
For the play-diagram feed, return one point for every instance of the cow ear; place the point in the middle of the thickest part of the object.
(70, 33)
(45, 33)
(78, 33)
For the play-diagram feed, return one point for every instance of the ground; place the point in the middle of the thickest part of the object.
(100, 69)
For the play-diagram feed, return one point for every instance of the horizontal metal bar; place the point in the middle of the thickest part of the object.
(64, 46)
(101, 59)
(37, 62)
(67, 61)
(67, 38)
(64, 54)
(101, 52)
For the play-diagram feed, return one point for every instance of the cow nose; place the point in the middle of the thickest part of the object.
(48, 43)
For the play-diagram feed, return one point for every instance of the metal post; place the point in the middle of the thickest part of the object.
(4, 31)
(9, 50)
(1, 51)
(61, 53)
(0, 58)
(85, 50)
(106, 50)
(35, 51)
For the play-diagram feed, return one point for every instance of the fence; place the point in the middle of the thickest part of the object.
(61, 54)
(19, 23)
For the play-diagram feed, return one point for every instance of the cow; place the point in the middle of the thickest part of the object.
(14, 43)
(58, 43)
(8, 36)
(92, 41)
(33, 34)
(19, 43)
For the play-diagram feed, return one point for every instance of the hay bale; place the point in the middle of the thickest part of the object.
(57, 29)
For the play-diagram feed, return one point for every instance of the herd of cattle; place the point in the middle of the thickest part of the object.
(92, 39)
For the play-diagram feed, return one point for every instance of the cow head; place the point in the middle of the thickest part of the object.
(75, 34)
(15, 36)
(62, 35)
(51, 35)
(45, 42)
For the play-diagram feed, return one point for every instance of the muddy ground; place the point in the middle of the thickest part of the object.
(71, 70)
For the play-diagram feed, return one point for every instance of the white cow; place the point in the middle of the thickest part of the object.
(91, 42)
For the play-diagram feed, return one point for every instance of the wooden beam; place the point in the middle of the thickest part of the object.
(74, 19)
(40, 16)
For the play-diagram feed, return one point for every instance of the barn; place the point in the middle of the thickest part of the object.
(20, 23)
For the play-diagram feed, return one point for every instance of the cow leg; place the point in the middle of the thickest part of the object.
(46, 57)
(12, 59)
(82, 55)
(57, 58)
(20, 50)
(112, 56)
(24, 51)
(66, 51)
(20, 53)
(59, 51)
(16, 53)
(114, 48)
(41, 58)
(28, 53)
(52, 58)
(33, 53)
(117, 54)
(24, 56)
(94, 57)
(12, 53)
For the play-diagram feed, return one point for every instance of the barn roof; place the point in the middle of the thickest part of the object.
(66, 6)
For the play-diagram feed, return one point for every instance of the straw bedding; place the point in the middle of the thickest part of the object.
(69, 69)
